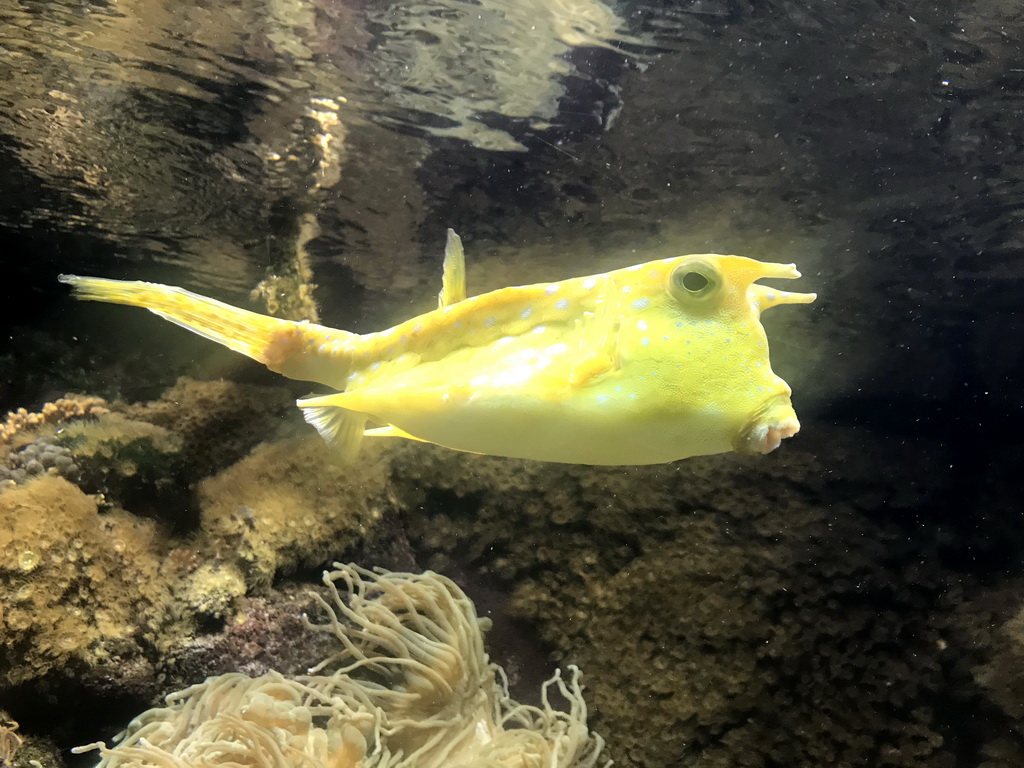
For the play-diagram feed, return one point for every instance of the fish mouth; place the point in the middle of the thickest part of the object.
(769, 428)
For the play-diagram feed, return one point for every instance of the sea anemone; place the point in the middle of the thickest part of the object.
(410, 686)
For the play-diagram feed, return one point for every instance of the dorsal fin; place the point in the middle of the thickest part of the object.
(453, 280)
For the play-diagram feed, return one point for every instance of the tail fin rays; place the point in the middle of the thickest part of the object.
(298, 350)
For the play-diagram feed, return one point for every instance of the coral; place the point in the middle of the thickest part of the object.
(59, 411)
(289, 504)
(9, 739)
(36, 458)
(212, 591)
(132, 464)
(218, 422)
(263, 634)
(410, 685)
(88, 584)
(36, 752)
(73, 584)
(776, 611)
(1001, 674)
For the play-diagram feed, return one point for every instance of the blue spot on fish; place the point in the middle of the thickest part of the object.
(641, 303)
(490, 321)
(645, 341)
(526, 313)
(561, 304)
(602, 398)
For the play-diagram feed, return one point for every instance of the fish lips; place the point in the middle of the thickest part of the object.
(769, 427)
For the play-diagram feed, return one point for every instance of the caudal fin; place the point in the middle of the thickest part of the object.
(299, 350)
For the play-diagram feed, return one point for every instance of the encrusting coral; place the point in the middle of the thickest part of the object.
(127, 540)
(288, 504)
(410, 687)
(59, 411)
(743, 613)
(75, 585)
(43, 455)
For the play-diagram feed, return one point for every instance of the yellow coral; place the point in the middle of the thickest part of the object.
(59, 559)
(61, 410)
(288, 505)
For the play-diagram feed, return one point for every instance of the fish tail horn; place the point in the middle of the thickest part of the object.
(299, 350)
(341, 428)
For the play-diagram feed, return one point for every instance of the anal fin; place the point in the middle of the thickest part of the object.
(391, 431)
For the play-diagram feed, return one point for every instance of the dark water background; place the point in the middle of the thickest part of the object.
(879, 145)
(876, 141)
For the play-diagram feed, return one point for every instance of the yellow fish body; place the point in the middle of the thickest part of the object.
(643, 365)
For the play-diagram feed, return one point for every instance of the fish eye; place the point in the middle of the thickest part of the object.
(695, 281)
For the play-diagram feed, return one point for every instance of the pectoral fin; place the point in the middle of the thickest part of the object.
(340, 428)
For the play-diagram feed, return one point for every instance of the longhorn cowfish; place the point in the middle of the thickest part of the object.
(643, 365)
